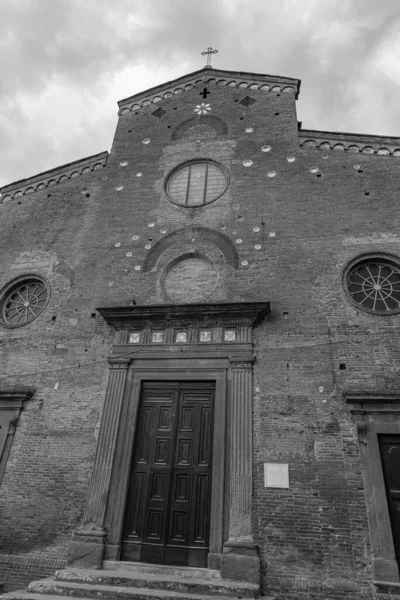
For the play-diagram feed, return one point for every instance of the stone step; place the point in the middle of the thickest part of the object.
(161, 581)
(140, 567)
(88, 592)
(154, 586)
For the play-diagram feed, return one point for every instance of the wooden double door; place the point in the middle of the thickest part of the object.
(390, 455)
(167, 517)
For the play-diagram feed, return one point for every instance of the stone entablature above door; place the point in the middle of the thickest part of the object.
(199, 325)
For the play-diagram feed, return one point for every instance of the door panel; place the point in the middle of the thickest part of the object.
(390, 455)
(167, 516)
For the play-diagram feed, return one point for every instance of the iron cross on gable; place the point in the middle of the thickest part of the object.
(209, 51)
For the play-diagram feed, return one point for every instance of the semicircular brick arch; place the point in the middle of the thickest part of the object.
(199, 233)
(218, 124)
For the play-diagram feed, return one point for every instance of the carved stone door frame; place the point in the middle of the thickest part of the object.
(226, 357)
(149, 370)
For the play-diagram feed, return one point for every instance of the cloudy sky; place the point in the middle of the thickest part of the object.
(66, 63)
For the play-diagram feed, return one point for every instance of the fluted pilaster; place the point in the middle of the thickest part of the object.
(101, 473)
(88, 541)
(241, 453)
(240, 559)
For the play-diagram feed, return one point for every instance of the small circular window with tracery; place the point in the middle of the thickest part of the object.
(196, 183)
(23, 300)
(373, 284)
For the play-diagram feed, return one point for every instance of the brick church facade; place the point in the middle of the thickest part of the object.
(199, 349)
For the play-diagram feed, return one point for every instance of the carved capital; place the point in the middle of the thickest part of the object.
(118, 363)
(242, 362)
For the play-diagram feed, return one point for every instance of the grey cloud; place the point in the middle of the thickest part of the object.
(82, 45)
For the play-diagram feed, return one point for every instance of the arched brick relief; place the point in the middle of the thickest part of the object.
(218, 124)
(68, 272)
(190, 277)
(200, 131)
(198, 233)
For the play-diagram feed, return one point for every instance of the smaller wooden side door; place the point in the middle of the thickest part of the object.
(390, 455)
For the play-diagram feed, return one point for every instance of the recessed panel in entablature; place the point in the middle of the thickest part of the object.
(158, 337)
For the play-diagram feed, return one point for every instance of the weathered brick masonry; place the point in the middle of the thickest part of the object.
(294, 218)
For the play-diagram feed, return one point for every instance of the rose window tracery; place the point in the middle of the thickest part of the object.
(374, 286)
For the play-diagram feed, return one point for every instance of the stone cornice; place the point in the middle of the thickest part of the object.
(53, 177)
(249, 313)
(368, 398)
(350, 142)
(13, 397)
(208, 75)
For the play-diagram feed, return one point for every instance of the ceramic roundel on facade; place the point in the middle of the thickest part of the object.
(372, 283)
(23, 300)
(196, 183)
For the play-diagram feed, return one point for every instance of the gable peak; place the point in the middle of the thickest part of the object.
(208, 75)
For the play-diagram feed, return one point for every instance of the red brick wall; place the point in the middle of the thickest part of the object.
(313, 537)
(16, 572)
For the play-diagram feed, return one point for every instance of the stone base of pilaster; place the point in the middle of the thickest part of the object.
(214, 561)
(87, 548)
(112, 551)
(240, 562)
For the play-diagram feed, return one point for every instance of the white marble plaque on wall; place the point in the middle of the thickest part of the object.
(276, 475)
